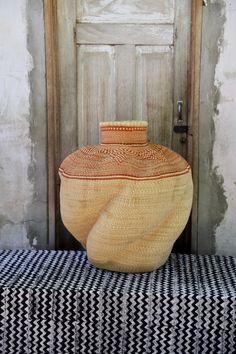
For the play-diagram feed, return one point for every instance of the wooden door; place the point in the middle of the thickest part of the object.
(123, 60)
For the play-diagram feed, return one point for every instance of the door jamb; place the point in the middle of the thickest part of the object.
(193, 111)
(52, 110)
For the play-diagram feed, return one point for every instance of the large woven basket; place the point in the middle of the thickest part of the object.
(125, 200)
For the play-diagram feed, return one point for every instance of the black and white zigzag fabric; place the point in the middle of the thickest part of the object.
(57, 302)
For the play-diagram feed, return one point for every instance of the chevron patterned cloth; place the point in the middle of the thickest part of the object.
(57, 302)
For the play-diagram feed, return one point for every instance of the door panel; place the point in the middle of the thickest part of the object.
(138, 11)
(96, 90)
(125, 61)
(132, 61)
(154, 88)
(125, 81)
(96, 33)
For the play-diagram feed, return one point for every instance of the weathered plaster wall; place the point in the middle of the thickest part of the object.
(23, 189)
(217, 144)
(224, 149)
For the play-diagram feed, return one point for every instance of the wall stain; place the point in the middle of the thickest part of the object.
(219, 199)
(212, 198)
(217, 179)
(32, 234)
(36, 224)
(4, 221)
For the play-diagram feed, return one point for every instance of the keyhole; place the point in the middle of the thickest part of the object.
(183, 140)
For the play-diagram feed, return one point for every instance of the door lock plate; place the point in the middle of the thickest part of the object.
(180, 129)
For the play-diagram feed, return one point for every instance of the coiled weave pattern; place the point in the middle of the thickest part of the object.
(125, 200)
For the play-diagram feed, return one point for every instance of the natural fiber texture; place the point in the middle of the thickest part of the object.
(149, 161)
(126, 204)
(126, 132)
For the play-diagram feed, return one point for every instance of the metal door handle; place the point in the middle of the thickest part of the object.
(180, 110)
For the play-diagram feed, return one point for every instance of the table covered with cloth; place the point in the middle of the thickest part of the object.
(57, 302)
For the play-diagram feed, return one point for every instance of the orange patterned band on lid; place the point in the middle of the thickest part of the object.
(123, 132)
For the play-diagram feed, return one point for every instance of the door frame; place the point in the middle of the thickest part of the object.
(52, 113)
(55, 12)
(193, 112)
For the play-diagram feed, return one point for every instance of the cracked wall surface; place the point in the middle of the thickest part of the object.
(224, 148)
(23, 202)
(217, 126)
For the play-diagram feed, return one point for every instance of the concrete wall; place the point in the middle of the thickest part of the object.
(217, 145)
(224, 149)
(23, 188)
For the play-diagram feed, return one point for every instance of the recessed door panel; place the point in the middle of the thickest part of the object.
(154, 91)
(96, 90)
(126, 11)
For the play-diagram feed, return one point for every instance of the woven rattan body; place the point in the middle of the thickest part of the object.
(126, 200)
